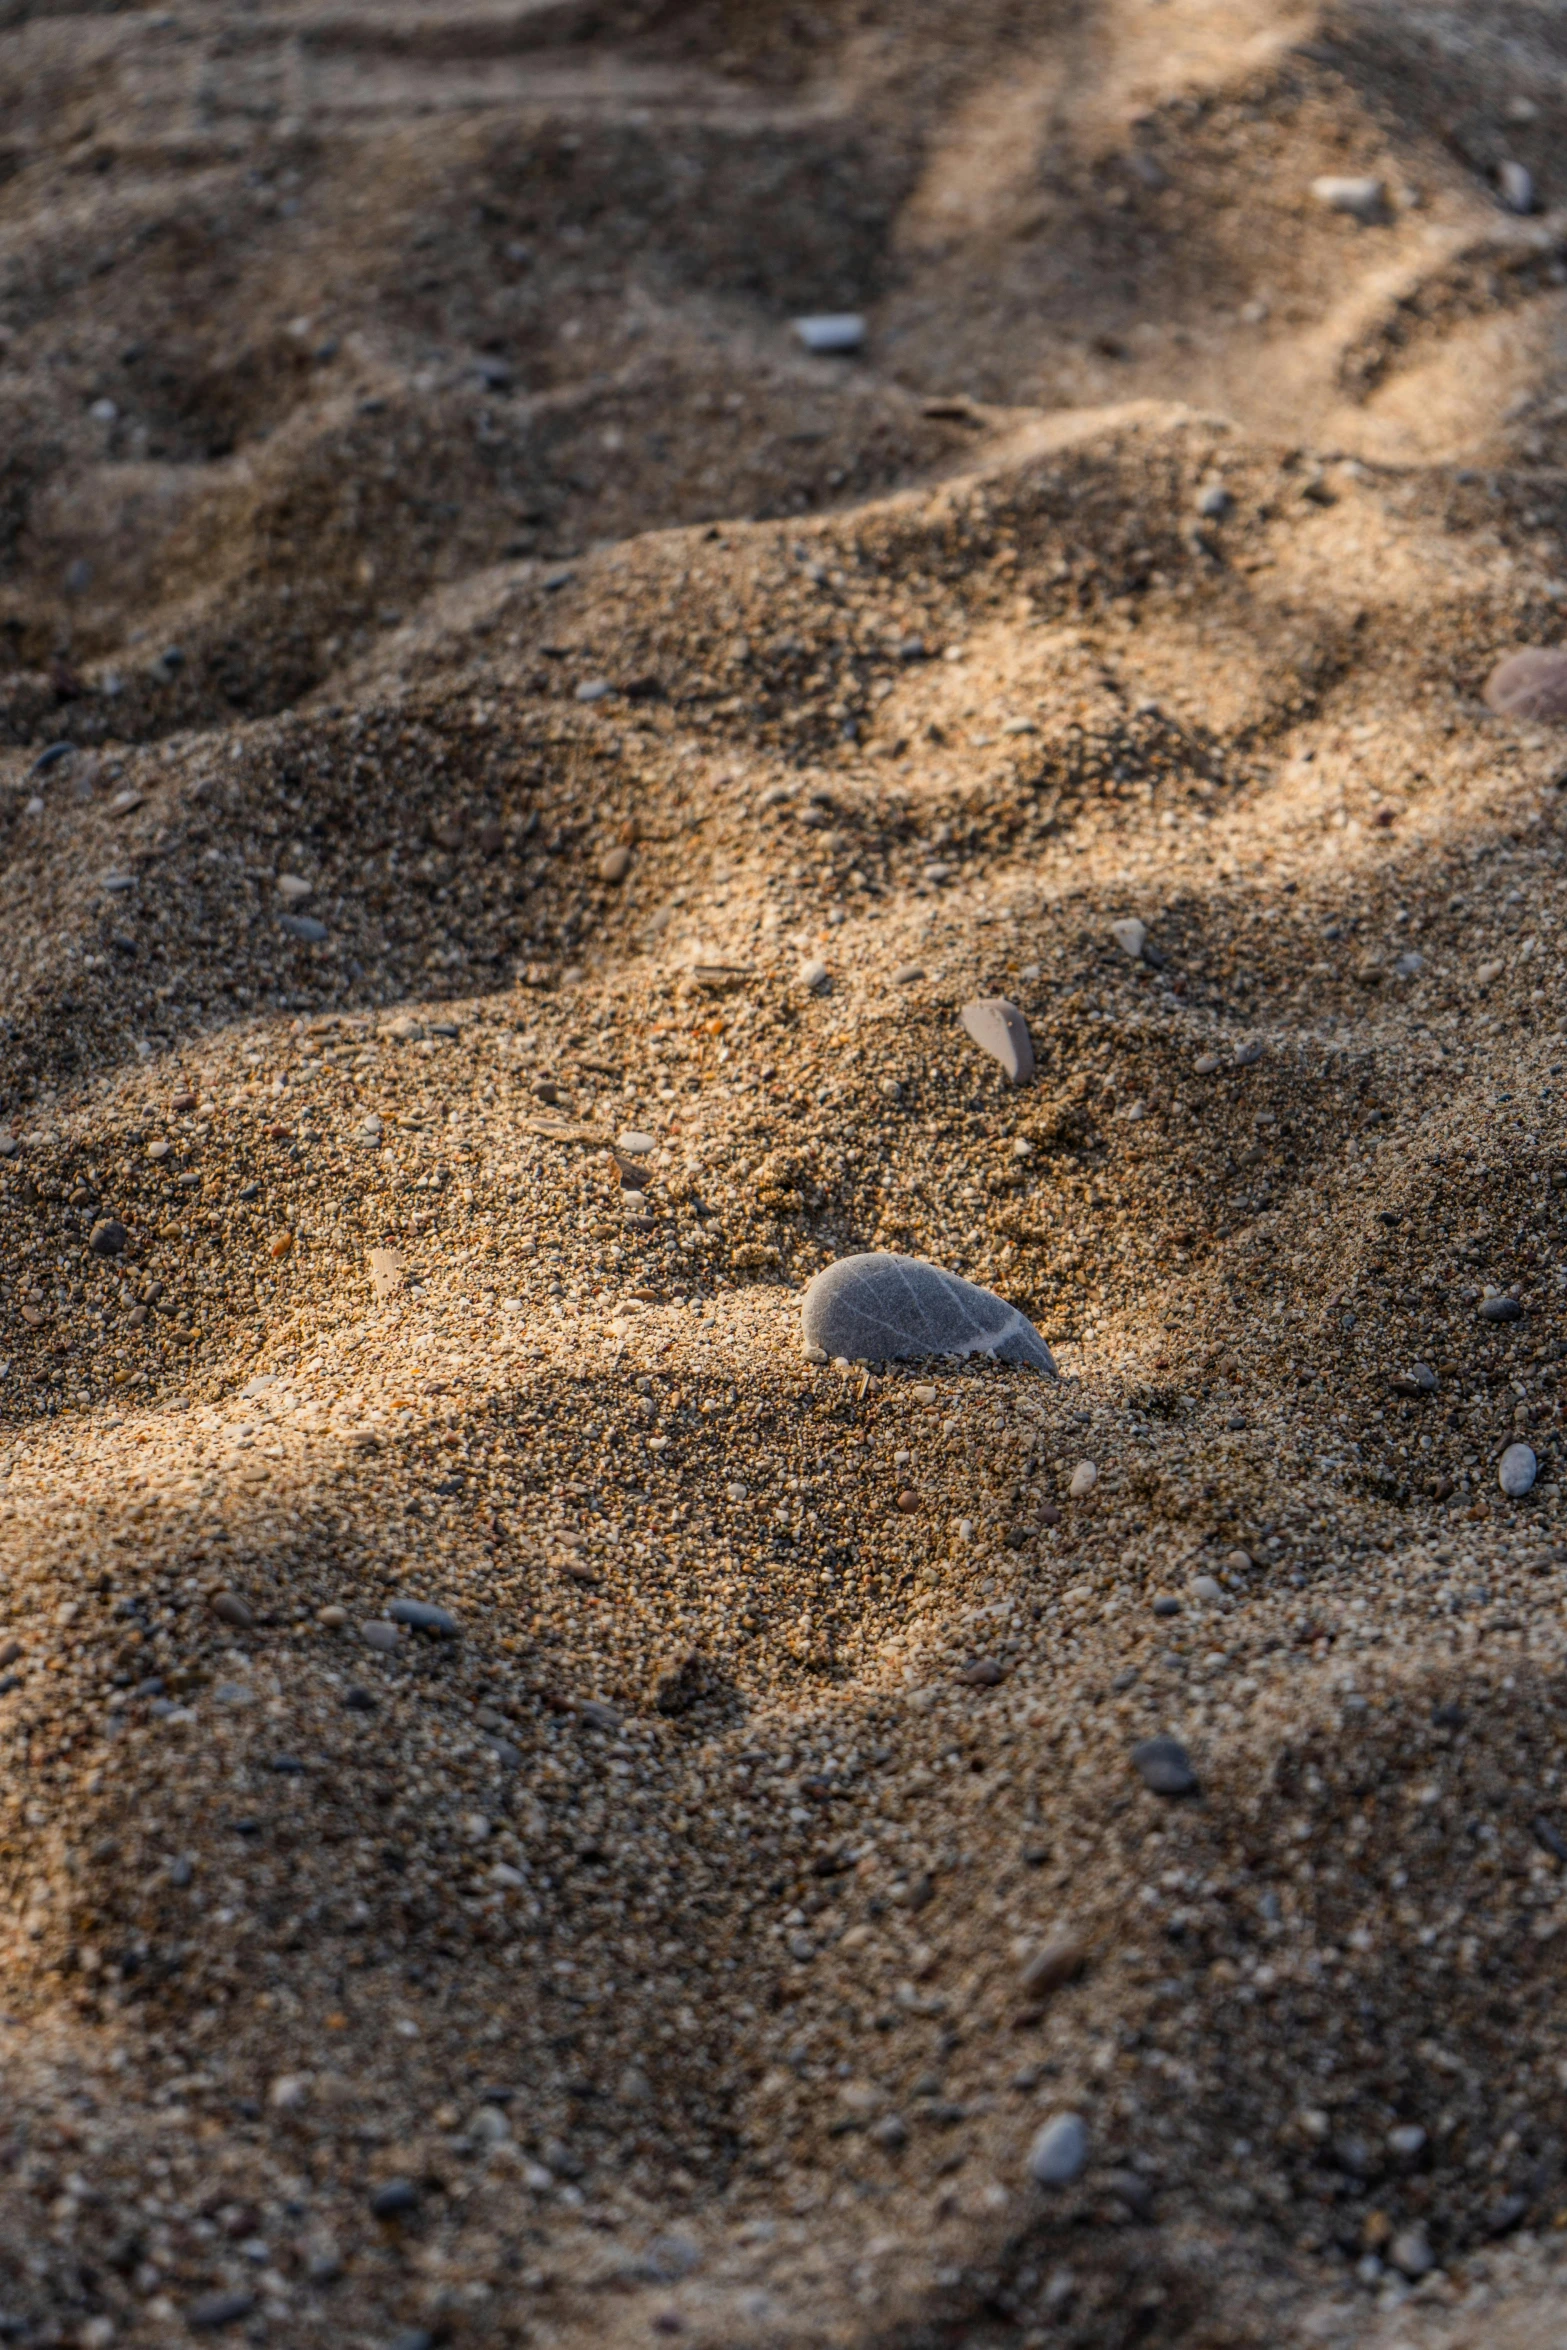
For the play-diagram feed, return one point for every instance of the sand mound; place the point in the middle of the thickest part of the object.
(537, 1811)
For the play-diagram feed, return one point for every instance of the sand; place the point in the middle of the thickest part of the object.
(510, 772)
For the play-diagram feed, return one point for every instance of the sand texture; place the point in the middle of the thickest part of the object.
(536, 1807)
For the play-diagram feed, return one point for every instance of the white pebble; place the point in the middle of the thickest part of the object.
(815, 975)
(1365, 199)
(831, 331)
(1516, 184)
(1131, 935)
(1084, 1478)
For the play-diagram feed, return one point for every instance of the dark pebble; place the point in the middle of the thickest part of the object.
(305, 928)
(1501, 1309)
(219, 2309)
(229, 1608)
(1549, 1837)
(107, 1237)
(419, 1616)
(359, 1701)
(1166, 1604)
(1132, 2191)
(1503, 2217)
(1164, 1765)
(395, 2200)
(983, 1674)
(52, 758)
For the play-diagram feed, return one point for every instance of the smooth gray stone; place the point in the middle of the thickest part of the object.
(882, 1308)
(1516, 184)
(1059, 2153)
(306, 928)
(420, 1616)
(999, 1028)
(1500, 1309)
(1164, 1766)
(1516, 1471)
(832, 331)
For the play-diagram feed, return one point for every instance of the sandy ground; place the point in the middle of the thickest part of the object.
(509, 772)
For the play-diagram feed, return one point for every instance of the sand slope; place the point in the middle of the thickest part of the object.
(474, 692)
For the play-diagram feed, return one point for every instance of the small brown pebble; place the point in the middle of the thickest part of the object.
(10, 1652)
(229, 1608)
(280, 1245)
(332, 1619)
(184, 1101)
(985, 1674)
(1058, 1961)
(614, 865)
(908, 1501)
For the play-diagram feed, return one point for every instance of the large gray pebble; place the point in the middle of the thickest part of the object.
(1516, 1471)
(1531, 684)
(1059, 2153)
(877, 1307)
(999, 1028)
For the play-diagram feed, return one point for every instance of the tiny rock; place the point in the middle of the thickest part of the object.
(1130, 935)
(1515, 185)
(1000, 1030)
(1516, 1471)
(1364, 199)
(832, 333)
(420, 1616)
(1164, 1766)
(1059, 2153)
(1411, 2254)
(1531, 685)
(1084, 1478)
(1058, 1961)
(229, 1608)
(614, 865)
